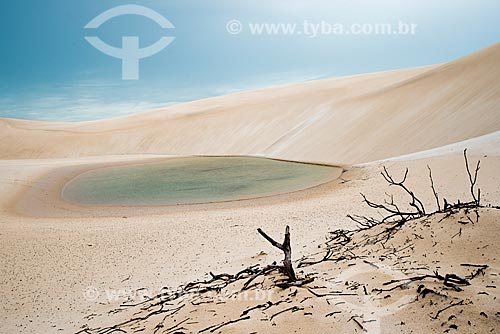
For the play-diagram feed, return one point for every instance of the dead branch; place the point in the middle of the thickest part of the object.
(293, 309)
(449, 306)
(287, 249)
(449, 280)
(433, 189)
(353, 318)
(333, 293)
(332, 313)
(393, 212)
(326, 257)
(297, 283)
(416, 203)
(264, 271)
(176, 326)
(480, 270)
(216, 327)
(390, 208)
(264, 306)
(473, 179)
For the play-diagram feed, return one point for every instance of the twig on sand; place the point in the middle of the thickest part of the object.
(480, 269)
(264, 271)
(353, 318)
(216, 327)
(449, 280)
(293, 309)
(447, 307)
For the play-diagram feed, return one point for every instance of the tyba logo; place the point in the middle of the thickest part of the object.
(130, 53)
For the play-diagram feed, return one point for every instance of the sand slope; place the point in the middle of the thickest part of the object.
(367, 278)
(340, 121)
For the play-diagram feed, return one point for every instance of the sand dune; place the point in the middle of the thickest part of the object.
(340, 121)
(50, 261)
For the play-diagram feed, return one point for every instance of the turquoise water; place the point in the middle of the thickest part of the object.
(193, 180)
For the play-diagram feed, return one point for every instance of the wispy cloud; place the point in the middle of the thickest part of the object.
(61, 108)
(268, 80)
(86, 100)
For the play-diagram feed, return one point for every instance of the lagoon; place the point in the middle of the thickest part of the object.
(193, 180)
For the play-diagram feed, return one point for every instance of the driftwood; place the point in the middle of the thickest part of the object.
(286, 249)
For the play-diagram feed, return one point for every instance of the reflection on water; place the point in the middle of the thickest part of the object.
(193, 180)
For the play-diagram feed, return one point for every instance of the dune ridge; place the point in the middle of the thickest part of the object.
(344, 120)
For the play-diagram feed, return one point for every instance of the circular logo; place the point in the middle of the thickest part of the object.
(234, 27)
(367, 305)
(91, 293)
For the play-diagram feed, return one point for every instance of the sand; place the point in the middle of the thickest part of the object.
(56, 256)
(317, 121)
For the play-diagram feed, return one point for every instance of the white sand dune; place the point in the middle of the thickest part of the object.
(49, 262)
(340, 121)
(483, 145)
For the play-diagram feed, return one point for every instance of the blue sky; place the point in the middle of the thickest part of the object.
(49, 72)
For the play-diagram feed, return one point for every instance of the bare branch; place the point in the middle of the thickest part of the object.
(271, 240)
(287, 249)
(473, 179)
(433, 189)
(415, 202)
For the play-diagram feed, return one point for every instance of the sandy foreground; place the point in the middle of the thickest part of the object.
(63, 267)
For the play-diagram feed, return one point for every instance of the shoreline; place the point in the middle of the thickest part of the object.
(28, 203)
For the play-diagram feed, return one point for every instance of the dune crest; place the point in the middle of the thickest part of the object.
(343, 120)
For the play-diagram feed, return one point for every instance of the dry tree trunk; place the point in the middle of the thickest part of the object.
(287, 249)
